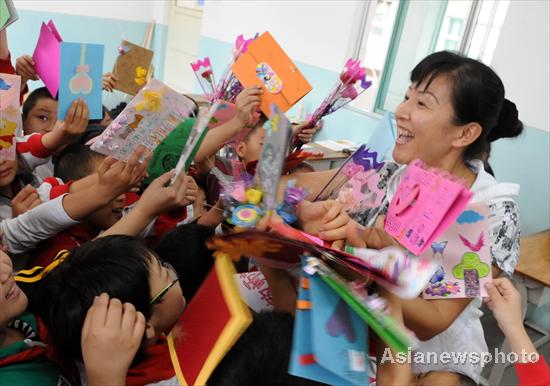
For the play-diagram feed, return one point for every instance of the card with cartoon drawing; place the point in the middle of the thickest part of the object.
(464, 254)
(10, 117)
(153, 113)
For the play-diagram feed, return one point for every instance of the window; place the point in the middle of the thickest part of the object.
(399, 33)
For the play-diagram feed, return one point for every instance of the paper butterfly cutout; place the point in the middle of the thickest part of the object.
(123, 49)
(141, 76)
(269, 78)
(3, 85)
(81, 83)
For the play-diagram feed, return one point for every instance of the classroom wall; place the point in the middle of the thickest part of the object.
(317, 35)
(96, 21)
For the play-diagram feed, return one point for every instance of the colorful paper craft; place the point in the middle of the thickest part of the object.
(211, 324)
(464, 254)
(426, 203)
(8, 13)
(403, 275)
(265, 64)
(47, 56)
(80, 76)
(153, 113)
(355, 184)
(272, 157)
(10, 115)
(132, 67)
(329, 344)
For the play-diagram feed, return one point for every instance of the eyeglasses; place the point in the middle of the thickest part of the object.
(158, 298)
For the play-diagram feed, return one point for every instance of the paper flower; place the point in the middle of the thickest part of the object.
(443, 289)
(141, 76)
(152, 101)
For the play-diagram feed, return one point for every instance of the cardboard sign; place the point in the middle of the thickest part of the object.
(265, 64)
(132, 67)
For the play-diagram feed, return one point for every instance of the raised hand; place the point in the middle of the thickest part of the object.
(111, 336)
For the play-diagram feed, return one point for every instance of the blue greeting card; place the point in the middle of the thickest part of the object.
(80, 76)
(330, 340)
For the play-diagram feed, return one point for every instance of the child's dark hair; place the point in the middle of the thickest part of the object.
(261, 122)
(114, 112)
(477, 96)
(33, 98)
(262, 353)
(75, 162)
(116, 265)
(185, 249)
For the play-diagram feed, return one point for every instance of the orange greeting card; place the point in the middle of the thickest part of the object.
(265, 64)
(210, 326)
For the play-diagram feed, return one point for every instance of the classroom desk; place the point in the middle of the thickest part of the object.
(330, 160)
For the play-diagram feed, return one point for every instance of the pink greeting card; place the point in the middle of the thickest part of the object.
(427, 202)
(47, 55)
(463, 252)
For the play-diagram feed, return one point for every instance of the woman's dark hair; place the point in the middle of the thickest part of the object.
(477, 96)
(116, 265)
(33, 98)
(185, 249)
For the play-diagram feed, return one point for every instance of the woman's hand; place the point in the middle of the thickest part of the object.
(326, 219)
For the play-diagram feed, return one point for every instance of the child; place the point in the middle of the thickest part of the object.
(23, 355)
(35, 149)
(22, 233)
(39, 112)
(78, 162)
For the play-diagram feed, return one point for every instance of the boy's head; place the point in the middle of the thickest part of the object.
(125, 269)
(105, 119)
(78, 161)
(39, 112)
(8, 171)
(262, 352)
(250, 148)
(185, 249)
(13, 301)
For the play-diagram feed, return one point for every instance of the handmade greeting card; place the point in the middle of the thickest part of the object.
(265, 64)
(272, 157)
(10, 116)
(211, 324)
(80, 77)
(153, 113)
(330, 340)
(426, 203)
(47, 55)
(132, 67)
(8, 14)
(464, 254)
